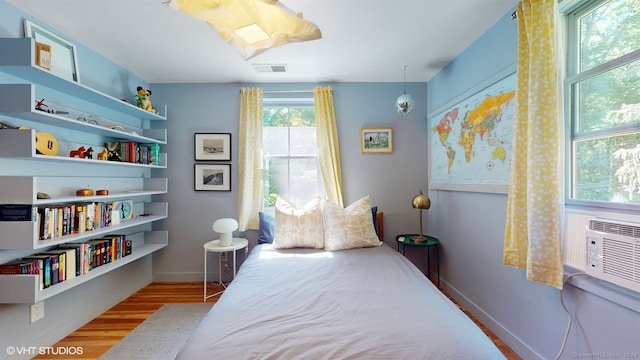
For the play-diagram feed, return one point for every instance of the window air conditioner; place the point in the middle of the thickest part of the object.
(613, 252)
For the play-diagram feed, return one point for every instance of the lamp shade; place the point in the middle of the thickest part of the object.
(251, 26)
(421, 202)
(225, 227)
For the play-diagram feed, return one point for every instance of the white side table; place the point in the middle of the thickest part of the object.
(214, 246)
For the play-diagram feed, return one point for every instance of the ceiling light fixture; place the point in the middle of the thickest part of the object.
(405, 102)
(251, 26)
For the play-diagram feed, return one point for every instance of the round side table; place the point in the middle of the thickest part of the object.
(427, 242)
(214, 246)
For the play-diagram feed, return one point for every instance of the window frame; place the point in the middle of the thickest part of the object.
(572, 11)
(301, 102)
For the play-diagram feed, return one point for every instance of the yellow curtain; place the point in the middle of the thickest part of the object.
(328, 147)
(250, 194)
(534, 206)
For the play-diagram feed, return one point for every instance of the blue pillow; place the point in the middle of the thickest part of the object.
(265, 232)
(374, 213)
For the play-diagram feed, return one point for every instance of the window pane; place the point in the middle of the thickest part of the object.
(608, 169)
(303, 180)
(275, 141)
(610, 99)
(303, 141)
(276, 180)
(290, 155)
(608, 32)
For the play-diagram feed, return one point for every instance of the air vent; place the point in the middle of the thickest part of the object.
(618, 228)
(270, 68)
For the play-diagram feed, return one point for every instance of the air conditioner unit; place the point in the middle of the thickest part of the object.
(613, 252)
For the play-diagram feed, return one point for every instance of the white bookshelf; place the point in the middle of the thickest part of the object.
(115, 120)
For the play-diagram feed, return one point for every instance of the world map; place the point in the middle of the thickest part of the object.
(471, 142)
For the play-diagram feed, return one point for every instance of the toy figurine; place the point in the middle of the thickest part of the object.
(40, 105)
(79, 152)
(103, 155)
(89, 153)
(143, 99)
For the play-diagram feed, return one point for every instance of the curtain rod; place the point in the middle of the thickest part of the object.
(286, 91)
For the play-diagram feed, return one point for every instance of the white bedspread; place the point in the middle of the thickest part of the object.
(353, 304)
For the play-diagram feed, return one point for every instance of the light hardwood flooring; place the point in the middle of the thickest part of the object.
(100, 334)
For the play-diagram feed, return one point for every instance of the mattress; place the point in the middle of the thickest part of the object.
(367, 303)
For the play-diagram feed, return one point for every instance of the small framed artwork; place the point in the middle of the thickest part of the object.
(376, 140)
(43, 55)
(212, 177)
(212, 146)
(62, 57)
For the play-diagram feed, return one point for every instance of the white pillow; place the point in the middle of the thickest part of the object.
(298, 227)
(348, 228)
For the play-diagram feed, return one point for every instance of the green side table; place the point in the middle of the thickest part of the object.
(428, 242)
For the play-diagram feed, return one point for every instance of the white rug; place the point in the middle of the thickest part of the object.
(162, 335)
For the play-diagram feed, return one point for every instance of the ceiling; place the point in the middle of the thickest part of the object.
(362, 40)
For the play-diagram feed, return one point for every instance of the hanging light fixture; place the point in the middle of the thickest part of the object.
(405, 102)
(250, 26)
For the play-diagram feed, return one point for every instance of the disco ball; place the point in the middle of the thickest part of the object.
(405, 103)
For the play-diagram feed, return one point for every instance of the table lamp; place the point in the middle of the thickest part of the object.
(225, 227)
(421, 202)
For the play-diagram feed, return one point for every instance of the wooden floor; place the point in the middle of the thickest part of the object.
(100, 334)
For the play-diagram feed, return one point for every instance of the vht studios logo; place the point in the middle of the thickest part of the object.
(44, 350)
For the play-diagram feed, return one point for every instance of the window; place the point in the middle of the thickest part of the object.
(290, 153)
(603, 85)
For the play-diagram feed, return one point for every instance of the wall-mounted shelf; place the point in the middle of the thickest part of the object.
(25, 289)
(23, 235)
(22, 144)
(61, 189)
(18, 100)
(71, 101)
(17, 58)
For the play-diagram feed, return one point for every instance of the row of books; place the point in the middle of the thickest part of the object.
(56, 221)
(69, 260)
(133, 152)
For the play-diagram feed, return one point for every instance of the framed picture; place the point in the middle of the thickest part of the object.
(43, 55)
(213, 146)
(62, 54)
(376, 140)
(212, 177)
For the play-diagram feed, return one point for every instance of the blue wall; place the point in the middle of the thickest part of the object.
(390, 179)
(526, 315)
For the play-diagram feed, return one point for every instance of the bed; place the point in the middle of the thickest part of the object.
(359, 303)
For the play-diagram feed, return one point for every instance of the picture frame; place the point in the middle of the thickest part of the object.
(43, 55)
(376, 140)
(212, 177)
(212, 146)
(62, 53)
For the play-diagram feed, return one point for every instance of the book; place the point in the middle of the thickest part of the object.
(125, 207)
(68, 267)
(59, 265)
(16, 212)
(20, 267)
(82, 260)
(44, 218)
(99, 252)
(44, 262)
